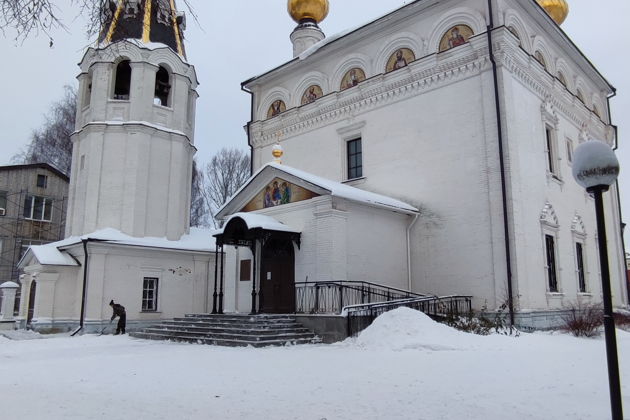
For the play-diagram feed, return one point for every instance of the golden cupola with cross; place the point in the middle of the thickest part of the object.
(557, 9)
(308, 14)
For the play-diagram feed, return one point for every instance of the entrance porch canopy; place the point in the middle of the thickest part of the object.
(247, 229)
(243, 229)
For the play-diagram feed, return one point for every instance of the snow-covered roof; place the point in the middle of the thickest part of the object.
(260, 221)
(51, 255)
(198, 239)
(336, 189)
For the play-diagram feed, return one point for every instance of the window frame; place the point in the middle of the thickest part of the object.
(115, 95)
(32, 207)
(147, 301)
(44, 183)
(358, 155)
(3, 202)
(551, 262)
(580, 266)
(570, 151)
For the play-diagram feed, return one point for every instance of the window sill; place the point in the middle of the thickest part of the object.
(124, 101)
(355, 181)
(150, 312)
(37, 220)
(555, 295)
(167, 108)
(585, 294)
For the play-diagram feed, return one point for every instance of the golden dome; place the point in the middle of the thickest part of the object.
(308, 9)
(557, 9)
(277, 152)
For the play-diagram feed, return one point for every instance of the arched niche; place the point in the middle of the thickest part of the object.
(456, 35)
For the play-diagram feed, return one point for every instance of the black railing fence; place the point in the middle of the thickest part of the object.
(359, 317)
(331, 297)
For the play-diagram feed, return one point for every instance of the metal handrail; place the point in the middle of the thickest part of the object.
(332, 296)
(361, 316)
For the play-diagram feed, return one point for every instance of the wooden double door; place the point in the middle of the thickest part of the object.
(277, 277)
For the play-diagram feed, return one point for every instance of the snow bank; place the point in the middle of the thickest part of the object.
(406, 328)
(20, 335)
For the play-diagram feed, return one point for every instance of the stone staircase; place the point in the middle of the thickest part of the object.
(231, 330)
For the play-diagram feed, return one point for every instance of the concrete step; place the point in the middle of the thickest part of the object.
(231, 330)
(225, 342)
(225, 328)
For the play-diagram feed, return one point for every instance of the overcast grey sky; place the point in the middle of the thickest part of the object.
(237, 39)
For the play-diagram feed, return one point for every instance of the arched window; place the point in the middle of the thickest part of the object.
(399, 59)
(512, 29)
(162, 87)
(311, 94)
(87, 91)
(580, 96)
(122, 84)
(276, 108)
(541, 59)
(562, 79)
(456, 36)
(352, 78)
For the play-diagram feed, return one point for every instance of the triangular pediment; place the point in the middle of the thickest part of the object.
(278, 192)
(270, 187)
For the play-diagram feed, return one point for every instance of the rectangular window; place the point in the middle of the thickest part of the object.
(355, 159)
(551, 155)
(246, 268)
(579, 255)
(149, 294)
(42, 181)
(550, 247)
(38, 208)
(3, 203)
(569, 151)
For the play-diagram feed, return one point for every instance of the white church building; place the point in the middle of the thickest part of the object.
(427, 152)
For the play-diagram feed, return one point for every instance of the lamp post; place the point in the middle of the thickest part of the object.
(595, 167)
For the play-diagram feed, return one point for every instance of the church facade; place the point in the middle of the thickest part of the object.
(427, 153)
(468, 111)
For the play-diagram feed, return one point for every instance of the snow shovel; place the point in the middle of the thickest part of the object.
(104, 328)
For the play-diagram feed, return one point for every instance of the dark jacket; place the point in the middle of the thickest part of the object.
(119, 310)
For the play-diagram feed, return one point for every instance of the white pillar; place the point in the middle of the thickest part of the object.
(9, 289)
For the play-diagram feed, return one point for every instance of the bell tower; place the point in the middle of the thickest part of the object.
(134, 140)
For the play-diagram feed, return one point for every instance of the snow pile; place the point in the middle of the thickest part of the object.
(406, 328)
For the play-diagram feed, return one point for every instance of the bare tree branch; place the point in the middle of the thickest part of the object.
(30, 17)
(225, 174)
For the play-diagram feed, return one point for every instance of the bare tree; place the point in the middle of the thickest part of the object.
(198, 204)
(225, 174)
(27, 17)
(51, 144)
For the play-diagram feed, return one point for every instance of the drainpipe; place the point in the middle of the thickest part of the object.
(249, 137)
(506, 230)
(413, 222)
(83, 293)
(621, 227)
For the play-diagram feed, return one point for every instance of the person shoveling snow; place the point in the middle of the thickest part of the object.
(119, 311)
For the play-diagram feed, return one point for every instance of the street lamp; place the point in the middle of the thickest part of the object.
(595, 167)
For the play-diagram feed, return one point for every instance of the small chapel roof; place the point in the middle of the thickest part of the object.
(198, 239)
(336, 189)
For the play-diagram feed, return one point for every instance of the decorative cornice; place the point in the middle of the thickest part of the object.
(427, 74)
(371, 94)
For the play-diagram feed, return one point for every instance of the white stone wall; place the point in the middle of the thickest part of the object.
(340, 240)
(132, 159)
(117, 272)
(430, 138)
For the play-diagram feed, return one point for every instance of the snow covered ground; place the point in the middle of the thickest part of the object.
(403, 367)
